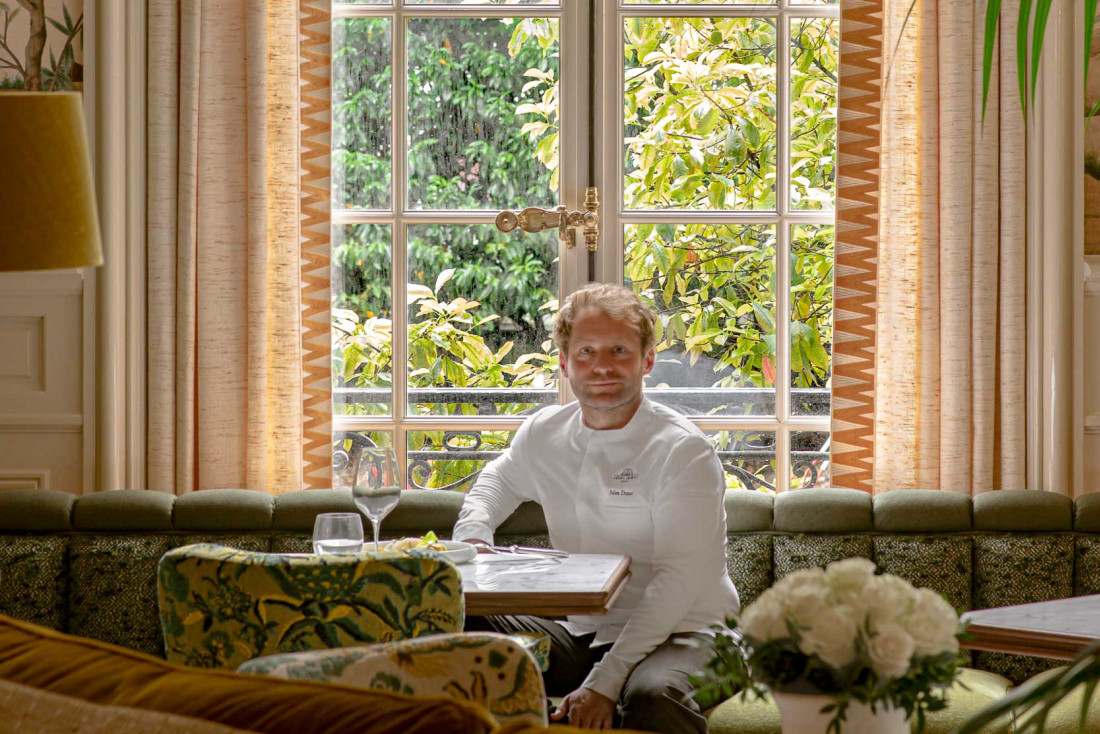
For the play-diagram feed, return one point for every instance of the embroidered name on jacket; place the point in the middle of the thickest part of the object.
(626, 475)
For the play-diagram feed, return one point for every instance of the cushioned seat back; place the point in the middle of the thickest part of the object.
(220, 606)
(94, 671)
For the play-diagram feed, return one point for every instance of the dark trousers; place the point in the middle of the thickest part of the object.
(656, 696)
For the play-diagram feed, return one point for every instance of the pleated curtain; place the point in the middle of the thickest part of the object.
(224, 354)
(930, 342)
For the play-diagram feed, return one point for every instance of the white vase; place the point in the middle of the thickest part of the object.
(801, 714)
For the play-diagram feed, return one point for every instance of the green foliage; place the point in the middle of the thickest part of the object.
(1033, 15)
(467, 80)
(700, 134)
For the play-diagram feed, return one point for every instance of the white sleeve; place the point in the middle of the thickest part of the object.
(494, 495)
(689, 502)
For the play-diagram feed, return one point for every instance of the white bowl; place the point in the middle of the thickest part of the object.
(457, 551)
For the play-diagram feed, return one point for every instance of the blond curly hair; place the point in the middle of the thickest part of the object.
(616, 301)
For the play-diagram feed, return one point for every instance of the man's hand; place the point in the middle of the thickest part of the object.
(586, 709)
(483, 546)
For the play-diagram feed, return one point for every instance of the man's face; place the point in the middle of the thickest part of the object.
(605, 365)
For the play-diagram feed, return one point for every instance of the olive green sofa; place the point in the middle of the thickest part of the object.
(87, 565)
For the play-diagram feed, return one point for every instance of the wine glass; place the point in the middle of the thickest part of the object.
(377, 485)
(337, 532)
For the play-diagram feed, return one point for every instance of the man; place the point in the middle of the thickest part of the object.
(615, 473)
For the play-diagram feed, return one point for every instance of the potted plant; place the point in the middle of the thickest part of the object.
(841, 650)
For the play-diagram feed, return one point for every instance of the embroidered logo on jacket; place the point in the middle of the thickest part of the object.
(626, 475)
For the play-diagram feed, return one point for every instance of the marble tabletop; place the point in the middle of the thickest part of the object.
(543, 585)
(1053, 629)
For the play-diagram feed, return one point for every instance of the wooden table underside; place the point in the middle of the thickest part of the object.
(1052, 629)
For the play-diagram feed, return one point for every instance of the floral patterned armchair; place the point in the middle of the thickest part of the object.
(220, 607)
(492, 670)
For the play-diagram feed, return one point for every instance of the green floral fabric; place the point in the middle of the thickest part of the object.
(296, 543)
(794, 552)
(220, 606)
(1086, 577)
(941, 563)
(34, 580)
(488, 669)
(749, 565)
(1020, 569)
(113, 589)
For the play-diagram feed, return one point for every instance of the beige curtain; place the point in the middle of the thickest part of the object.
(224, 362)
(951, 340)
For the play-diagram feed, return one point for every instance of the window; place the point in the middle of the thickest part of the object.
(711, 133)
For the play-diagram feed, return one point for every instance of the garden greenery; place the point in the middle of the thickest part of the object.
(483, 126)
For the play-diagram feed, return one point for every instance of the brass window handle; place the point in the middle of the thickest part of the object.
(536, 219)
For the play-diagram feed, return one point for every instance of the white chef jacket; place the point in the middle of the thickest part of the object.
(652, 490)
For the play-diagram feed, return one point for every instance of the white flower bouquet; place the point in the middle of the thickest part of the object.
(843, 632)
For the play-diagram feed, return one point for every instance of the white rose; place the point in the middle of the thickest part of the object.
(890, 651)
(764, 620)
(886, 599)
(805, 604)
(803, 594)
(848, 577)
(832, 637)
(932, 624)
(807, 578)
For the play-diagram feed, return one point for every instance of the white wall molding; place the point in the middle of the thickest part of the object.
(1092, 275)
(53, 283)
(24, 479)
(42, 423)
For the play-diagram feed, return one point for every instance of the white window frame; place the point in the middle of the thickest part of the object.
(574, 76)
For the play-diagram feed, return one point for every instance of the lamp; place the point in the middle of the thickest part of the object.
(47, 199)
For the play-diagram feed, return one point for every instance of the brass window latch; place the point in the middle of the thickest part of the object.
(535, 219)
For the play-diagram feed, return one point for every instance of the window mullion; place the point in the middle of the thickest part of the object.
(398, 182)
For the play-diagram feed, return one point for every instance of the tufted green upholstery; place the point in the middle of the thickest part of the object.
(220, 607)
(86, 564)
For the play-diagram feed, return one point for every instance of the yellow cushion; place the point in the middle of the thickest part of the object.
(102, 673)
(762, 717)
(33, 711)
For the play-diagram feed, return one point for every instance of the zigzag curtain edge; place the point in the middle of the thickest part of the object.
(856, 249)
(315, 48)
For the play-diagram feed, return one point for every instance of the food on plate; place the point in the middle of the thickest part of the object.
(427, 542)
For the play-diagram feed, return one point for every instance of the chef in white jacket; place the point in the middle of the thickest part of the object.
(615, 473)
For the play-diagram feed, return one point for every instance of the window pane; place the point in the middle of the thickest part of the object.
(480, 310)
(346, 447)
(699, 113)
(694, 2)
(810, 460)
(482, 2)
(483, 113)
(362, 351)
(713, 288)
(813, 112)
(748, 458)
(452, 459)
(811, 319)
(361, 113)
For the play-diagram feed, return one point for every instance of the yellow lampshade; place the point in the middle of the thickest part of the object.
(48, 213)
